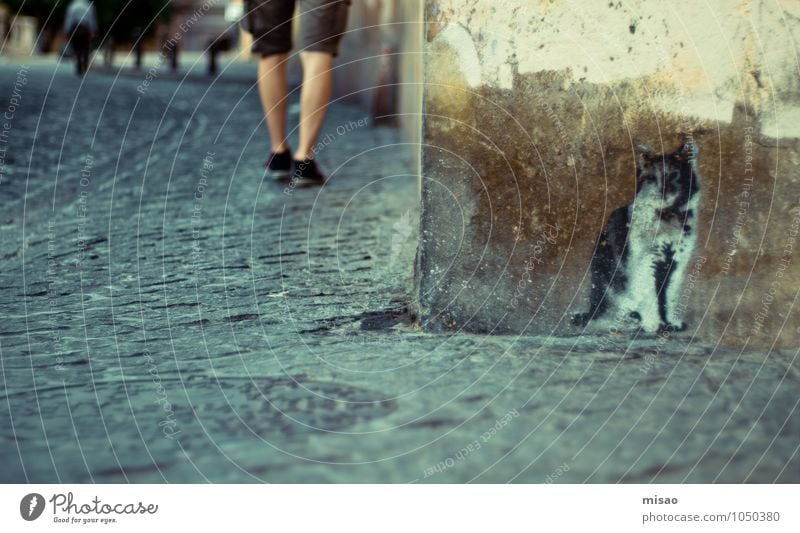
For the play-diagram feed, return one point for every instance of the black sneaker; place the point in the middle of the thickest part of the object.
(279, 165)
(306, 173)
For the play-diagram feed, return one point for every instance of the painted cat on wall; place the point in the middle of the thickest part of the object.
(641, 258)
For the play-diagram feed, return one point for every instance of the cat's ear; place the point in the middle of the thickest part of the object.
(642, 152)
(689, 151)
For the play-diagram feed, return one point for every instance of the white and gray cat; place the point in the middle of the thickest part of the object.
(641, 258)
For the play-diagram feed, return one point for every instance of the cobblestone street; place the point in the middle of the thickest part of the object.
(170, 314)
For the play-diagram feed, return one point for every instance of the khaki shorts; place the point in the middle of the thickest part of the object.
(322, 23)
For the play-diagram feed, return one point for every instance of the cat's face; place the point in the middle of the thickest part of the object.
(667, 180)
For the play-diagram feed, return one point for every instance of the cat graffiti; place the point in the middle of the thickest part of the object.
(641, 258)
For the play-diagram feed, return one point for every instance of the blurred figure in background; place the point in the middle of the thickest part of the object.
(80, 26)
(322, 23)
(223, 43)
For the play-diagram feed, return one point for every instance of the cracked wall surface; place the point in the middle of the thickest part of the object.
(532, 112)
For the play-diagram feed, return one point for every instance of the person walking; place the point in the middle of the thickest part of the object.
(80, 27)
(321, 26)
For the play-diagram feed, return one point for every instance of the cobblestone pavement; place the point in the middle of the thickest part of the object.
(170, 315)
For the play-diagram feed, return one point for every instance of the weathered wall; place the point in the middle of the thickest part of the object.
(532, 111)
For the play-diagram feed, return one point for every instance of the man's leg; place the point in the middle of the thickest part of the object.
(79, 66)
(314, 97)
(80, 41)
(273, 89)
(85, 58)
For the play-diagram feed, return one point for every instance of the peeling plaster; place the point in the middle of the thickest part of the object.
(465, 55)
(702, 55)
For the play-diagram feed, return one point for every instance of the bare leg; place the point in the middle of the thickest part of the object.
(273, 89)
(314, 98)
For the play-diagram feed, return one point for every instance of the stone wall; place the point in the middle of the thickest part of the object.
(532, 113)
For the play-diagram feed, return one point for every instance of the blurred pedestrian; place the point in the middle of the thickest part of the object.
(215, 47)
(80, 27)
(138, 46)
(322, 23)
